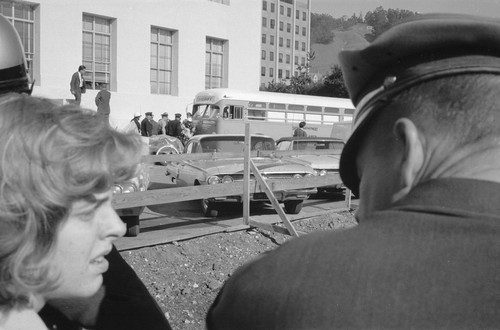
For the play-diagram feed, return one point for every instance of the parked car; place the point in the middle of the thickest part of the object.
(323, 164)
(164, 145)
(217, 171)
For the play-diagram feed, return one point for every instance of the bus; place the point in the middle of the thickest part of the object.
(277, 115)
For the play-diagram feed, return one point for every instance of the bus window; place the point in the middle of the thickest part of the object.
(237, 112)
(205, 111)
(296, 107)
(313, 119)
(313, 108)
(276, 116)
(292, 117)
(330, 119)
(254, 114)
(347, 118)
(332, 110)
(277, 106)
(232, 112)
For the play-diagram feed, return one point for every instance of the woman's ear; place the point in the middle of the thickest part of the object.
(412, 157)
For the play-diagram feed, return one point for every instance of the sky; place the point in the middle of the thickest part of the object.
(338, 8)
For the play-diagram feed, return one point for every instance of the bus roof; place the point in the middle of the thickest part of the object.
(211, 96)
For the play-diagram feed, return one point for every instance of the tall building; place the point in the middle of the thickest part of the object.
(286, 26)
(155, 55)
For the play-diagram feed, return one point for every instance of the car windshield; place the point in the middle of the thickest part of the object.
(318, 145)
(235, 144)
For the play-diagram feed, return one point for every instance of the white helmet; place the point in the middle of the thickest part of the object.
(13, 69)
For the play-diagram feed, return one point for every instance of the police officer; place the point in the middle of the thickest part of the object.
(424, 157)
(123, 302)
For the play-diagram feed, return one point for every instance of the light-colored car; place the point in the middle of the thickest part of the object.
(217, 171)
(322, 164)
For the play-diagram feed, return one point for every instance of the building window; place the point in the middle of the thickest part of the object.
(272, 7)
(303, 46)
(304, 16)
(287, 59)
(96, 50)
(303, 60)
(304, 31)
(280, 73)
(288, 41)
(214, 63)
(281, 26)
(288, 27)
(296, 45)
(281, 42)
(297, 14)
(264, 5)
(263, 55)
(263, 71)
(161, 61)
(22, 16)
(271, 56)
(296, 60)
(282, 10)
(296, 29)
(287, 74)
(289, 12)
(271, 39)
(271, 72)
(263, 38)
(272, 23)
(264, 22)
(280, 57)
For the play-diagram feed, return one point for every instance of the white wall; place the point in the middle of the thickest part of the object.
(60, 52)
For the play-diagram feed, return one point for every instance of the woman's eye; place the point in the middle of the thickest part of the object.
(86, 215)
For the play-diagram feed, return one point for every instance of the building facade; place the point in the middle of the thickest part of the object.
(154, 55)
(285, 41)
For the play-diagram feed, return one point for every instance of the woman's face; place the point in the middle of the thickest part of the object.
(81, 244)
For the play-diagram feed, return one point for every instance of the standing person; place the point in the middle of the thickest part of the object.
(424, 156)
(155, 127)
(174, 127)
(134, 126)
(162, 123)
(102, 101)
(299, 131)
(146, 125)
(77, 84)
(122, 302)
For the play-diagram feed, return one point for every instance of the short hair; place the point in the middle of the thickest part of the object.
(82, 67)
(302, 124)
(50, 157)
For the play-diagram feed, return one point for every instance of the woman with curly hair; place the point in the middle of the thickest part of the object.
(57, 167)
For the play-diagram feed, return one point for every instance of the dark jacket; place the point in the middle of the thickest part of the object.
(432, 261)
(102, 101)
(74, 84)
(146, 127)
(174, 128)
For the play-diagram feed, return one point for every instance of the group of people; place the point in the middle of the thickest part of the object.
(182, 130)
(423, 157)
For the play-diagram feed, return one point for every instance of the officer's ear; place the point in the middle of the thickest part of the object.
(411, 149)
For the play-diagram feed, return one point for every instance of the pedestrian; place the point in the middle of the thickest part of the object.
(122, 301)
(134, 126)
(424, 157)
(102, 101)
(174, 127)
(147, 125)
(162, 123)
(299, 131)
(77, 84)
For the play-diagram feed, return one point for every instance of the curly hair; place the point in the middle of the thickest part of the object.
(50, 157)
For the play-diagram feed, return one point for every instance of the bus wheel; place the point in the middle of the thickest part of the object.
(293, 206)
(208, 208)
(133, 227)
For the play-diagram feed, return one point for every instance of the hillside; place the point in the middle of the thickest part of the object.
(326, 55)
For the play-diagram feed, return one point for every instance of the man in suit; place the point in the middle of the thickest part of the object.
(102, 101)
(174, 127)
(77, 84)
(147, 125)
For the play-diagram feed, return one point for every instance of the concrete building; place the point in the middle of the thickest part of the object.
(286, 26)
(155, 55)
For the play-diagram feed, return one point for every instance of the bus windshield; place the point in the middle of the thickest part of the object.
(205, 111)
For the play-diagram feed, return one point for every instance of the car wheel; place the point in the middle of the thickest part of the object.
(208, 208)
(293, 207)
(133, 227)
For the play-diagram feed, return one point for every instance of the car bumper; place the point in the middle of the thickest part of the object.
(281, 196)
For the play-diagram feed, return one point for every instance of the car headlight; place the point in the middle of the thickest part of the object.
(310, 175)
(213, 179)
(227, 179)
(117, 189)
(129, 187)
(322, 172)
(297, 176)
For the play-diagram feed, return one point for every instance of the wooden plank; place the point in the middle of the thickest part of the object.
(178, 194)
(246, 175)
(273, 200)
